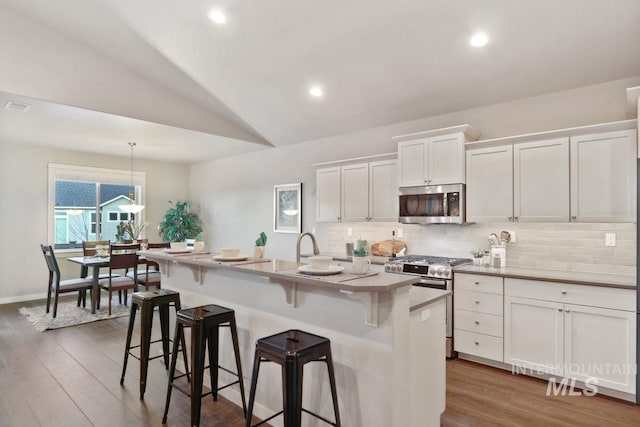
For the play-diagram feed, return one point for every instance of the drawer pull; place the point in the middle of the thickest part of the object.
(477, 343)
(477, 302)
(477, 322)
(477, 283)
(564, 292)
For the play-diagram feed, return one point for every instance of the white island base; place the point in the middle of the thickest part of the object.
(387, 338)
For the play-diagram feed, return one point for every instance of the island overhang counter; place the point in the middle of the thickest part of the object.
(387, 338)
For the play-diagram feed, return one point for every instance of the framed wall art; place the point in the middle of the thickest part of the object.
(287, 212)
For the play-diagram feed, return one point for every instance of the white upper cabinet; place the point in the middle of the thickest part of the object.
(412, 160)
(541, 181)
(433, 157)
(571, 175)
(432, 161)
(490, 184)
(383, 190)
(328, 194)
(355, 192)
(603, 177)
(364, 191)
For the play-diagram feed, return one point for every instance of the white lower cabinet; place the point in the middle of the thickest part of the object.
(544, 330)
(477, 318)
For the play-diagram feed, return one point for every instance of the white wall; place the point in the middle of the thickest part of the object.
(236, 193)
(23, 216)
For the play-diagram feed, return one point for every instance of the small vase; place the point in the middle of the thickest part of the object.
(258, 252)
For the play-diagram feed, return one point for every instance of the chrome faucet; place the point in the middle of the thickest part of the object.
(316, 251)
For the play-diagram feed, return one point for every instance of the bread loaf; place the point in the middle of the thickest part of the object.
(387, 247)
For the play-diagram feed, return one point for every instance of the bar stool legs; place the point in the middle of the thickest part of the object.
(292, 350)
(147, 301)
(204, 322)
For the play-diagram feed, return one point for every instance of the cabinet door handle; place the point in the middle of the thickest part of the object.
(510, 218)
(567, 311)
(574, 217)
(477, 302)
(560, 310)
(338, 218)
(477, 322)
(515, 218)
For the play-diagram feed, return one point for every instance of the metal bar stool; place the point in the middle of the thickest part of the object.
(204, 322)
(292, 349)
(148, 301)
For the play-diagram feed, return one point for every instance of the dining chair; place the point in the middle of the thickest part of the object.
(89, 248)
(57, 286)
(121, 257)
(151, 275)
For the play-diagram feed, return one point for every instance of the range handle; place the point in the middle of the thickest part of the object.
(432, 283)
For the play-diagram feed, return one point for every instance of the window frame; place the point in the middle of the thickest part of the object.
(57, 171)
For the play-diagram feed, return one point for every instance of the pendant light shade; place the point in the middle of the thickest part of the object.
(131, 207)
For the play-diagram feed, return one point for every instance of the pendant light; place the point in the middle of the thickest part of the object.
(131, 207)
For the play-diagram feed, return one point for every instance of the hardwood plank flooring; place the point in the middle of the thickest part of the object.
(479, 395)
(71, 377)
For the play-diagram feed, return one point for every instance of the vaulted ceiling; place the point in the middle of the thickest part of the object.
(98, 73)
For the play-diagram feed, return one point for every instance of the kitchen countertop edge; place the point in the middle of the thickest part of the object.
(420, 297)
(273, 269)
(571, 277)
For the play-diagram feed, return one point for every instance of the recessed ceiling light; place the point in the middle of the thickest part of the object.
(217, 16)
(479, 40)
(316, 91)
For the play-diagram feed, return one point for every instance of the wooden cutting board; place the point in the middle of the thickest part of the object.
(387, 247)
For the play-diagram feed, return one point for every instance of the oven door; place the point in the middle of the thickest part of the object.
(445, 285)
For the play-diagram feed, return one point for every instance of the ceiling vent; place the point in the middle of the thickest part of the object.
(16, 106)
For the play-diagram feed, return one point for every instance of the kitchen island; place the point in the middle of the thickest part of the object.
(387, 339)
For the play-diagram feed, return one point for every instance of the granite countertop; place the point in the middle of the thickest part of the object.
(573, 277)
(420, 297)
(287, 271)
(341, 256)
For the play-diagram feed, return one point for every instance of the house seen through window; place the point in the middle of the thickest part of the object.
(88, 211)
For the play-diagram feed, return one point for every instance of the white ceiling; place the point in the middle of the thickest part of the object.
(99, 73)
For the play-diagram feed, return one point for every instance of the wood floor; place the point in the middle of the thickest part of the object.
(71, 377)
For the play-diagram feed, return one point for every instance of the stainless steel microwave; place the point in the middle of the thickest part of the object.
(432, 204)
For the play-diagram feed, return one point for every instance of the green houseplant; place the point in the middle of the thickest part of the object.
(180, 222)
(258, 250)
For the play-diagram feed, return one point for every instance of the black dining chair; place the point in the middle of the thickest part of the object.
(57, 286)
(121, 257)
(151, 275)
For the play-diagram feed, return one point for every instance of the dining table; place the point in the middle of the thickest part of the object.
(96, 263)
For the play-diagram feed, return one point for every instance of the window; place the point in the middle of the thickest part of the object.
(84, 201)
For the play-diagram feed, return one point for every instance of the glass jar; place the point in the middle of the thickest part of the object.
(486, 260)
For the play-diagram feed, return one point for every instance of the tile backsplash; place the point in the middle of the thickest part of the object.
(557, 246)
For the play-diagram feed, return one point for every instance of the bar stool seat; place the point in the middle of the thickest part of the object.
(292, 349)
(205, 323)
(148, 301)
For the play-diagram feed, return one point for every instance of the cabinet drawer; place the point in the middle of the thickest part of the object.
(481, 323)
(595, 296)
(478, 283)
(478, 302)
(478, 345)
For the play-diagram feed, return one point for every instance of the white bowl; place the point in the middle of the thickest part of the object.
(320, 262)
(179, 245)
(229, 252)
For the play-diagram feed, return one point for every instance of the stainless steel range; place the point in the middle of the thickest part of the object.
(431, 272)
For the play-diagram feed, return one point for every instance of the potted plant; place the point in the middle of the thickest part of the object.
(180, 222)
(131, 228)
(478, 255)
(258, 250)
